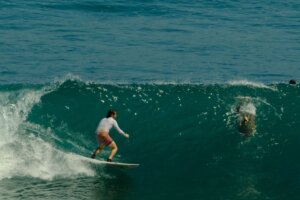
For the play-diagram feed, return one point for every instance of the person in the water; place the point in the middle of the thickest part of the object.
(292, 82)
(246, 123)
(103, 137)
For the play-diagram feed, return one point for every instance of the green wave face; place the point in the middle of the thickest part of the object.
(186, 137)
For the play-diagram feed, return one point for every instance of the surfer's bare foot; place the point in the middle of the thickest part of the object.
(108, 160)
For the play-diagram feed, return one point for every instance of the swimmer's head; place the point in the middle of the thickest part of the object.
(292, 82)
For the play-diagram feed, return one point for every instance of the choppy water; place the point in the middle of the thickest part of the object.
(146, 41)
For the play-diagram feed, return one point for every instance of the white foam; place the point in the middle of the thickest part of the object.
(248, 108)
(13, 112)
(32, 157)
(22, 153)
(251, 84)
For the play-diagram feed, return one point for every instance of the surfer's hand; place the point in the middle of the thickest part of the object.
(126, 135)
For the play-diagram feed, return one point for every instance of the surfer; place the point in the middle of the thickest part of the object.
(103, 137)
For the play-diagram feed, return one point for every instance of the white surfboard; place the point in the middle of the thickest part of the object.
(111, 164)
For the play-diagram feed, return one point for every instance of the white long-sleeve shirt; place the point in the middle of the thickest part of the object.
(107, 123)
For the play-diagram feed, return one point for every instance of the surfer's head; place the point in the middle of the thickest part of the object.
(292, 82)
(111, 113)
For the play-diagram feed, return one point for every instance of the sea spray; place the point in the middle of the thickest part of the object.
(24, 154)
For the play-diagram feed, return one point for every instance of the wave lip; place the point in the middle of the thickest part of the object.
(251, 84)
(24, 154)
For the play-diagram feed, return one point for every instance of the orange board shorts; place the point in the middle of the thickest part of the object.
(103, 138)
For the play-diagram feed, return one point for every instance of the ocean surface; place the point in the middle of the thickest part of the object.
(176, 72)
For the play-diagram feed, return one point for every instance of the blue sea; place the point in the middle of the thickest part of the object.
(175, 71)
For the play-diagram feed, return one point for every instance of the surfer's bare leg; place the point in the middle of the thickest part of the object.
(98, 150)
(114, 150)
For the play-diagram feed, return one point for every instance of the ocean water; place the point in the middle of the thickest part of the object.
(175, 71)
(146, 41)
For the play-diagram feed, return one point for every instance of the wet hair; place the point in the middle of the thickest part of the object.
(110, 113)
(292, 82)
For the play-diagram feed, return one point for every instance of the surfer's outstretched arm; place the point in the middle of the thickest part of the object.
(116, 126)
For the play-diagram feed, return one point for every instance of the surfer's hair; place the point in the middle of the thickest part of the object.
(110, 113)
